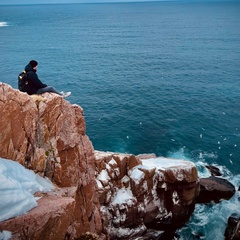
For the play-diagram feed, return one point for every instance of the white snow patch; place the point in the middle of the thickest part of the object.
(125, 179)
(5, 235)
(121, 156)
(123, 195)
(103, 176)
(126, 232)
(17, 186)
(164, 163)
(137, 175)
(99, 184)
(108, 167)
(112, 162)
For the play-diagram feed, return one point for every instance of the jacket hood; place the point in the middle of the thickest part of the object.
(29, 68)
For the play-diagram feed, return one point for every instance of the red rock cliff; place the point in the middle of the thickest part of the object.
(49, 137)
(119, 190)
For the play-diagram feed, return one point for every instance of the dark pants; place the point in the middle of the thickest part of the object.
(48, 89)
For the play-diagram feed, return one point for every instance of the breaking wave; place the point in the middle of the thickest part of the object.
(209, 221)
(3, 24)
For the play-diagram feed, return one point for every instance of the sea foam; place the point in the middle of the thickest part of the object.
(3, 24)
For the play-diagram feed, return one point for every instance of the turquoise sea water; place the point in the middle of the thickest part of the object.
(157, 77)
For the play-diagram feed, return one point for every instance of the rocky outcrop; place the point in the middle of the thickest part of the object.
(233, 229)
(215, 171)
(49, 137)
(137, 194)
(97, 194)
(215, 189)
(43, 222)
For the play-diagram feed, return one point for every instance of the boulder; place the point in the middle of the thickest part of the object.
(215, 189)
(233, 227)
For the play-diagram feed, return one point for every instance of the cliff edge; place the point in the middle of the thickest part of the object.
(111, 195)
(48, 136)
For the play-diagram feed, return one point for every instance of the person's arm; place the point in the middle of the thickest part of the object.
(35, 81)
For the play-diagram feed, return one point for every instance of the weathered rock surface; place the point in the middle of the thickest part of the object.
(156, 193)
(215, 171)
(233, 229)
(43, 222)
(49, 137)
(215, 189)
(97, 193)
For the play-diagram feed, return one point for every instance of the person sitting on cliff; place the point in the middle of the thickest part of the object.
(35, 86)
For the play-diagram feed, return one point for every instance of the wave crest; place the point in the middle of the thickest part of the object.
(3, 24)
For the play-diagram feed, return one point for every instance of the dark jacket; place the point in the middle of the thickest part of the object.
(34, 83)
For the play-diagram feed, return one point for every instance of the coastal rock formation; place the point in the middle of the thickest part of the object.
(215, 171)
(233, 229)
(215, 189)
(43, 222)
(49, 137)
(137, 194)
(99, 194)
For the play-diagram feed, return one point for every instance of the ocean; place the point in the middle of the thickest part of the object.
(152, 77)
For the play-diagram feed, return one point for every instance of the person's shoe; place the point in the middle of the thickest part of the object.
(65, 94)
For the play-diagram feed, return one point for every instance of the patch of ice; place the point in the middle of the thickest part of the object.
(17, 187)
(5, 235)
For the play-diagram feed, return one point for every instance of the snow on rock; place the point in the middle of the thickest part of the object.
(122, 196)
(103, 176)
(174, 169)
(146, 192)
(136, 175)
(128, 233)
(17, 188)
(47, 134)
(164, 163)
(125, 181)
(5, 235)
(47, 221)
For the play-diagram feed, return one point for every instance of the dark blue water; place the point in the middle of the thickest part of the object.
(158, 77)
